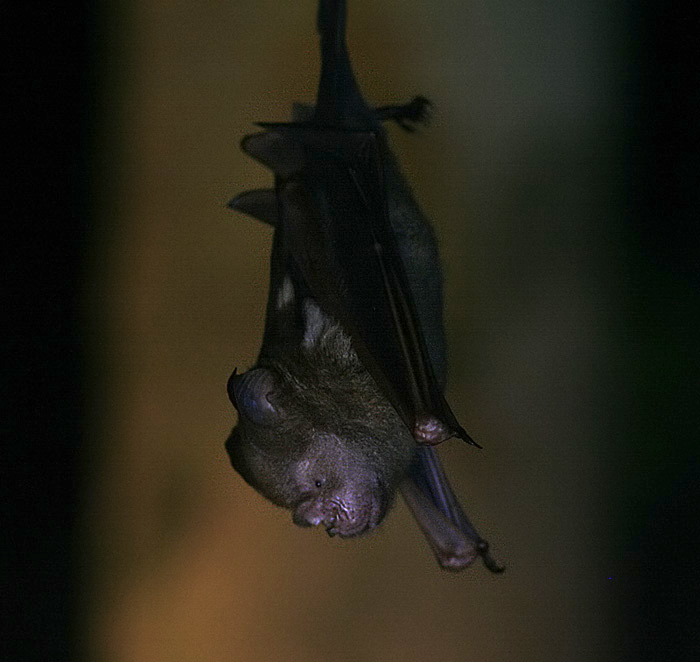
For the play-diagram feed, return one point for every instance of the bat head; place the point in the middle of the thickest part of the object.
(325, 445)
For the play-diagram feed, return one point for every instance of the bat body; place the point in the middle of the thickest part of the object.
(346, 399)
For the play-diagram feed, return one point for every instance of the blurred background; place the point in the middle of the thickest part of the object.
(560, 174)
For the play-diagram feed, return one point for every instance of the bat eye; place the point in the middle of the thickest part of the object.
(319, 483)
(251, 394)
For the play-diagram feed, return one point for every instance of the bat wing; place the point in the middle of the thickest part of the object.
(258, 203)
(347, 255)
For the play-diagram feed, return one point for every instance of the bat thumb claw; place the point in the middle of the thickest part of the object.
(430, 431)
(464, 436)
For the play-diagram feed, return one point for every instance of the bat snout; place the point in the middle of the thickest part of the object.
(337, 517)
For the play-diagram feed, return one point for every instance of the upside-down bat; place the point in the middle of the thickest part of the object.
(345, 402)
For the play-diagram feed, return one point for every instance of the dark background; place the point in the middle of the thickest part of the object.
(58, 70)
(50, 82)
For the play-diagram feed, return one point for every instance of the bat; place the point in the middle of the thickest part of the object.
(346, 401)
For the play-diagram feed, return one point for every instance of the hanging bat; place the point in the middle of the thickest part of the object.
(345, 402)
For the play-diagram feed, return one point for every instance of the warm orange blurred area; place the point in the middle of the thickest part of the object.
(183, 561)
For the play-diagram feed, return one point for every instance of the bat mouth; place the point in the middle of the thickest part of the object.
(337, 517)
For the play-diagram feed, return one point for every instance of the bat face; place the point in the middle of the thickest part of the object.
(315, 436)
(327, 484)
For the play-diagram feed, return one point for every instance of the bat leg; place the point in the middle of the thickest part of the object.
(453, 550)
(406, 115)
(451, 535)
(259, 203)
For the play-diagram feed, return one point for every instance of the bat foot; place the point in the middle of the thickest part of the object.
(455, 562)
(416, 111)
(462, 556)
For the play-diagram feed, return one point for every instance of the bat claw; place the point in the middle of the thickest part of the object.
(416, 111)
(491, 564)
(482, 547)
(406, 127)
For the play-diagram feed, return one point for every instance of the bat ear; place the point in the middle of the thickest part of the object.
(252, 394)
